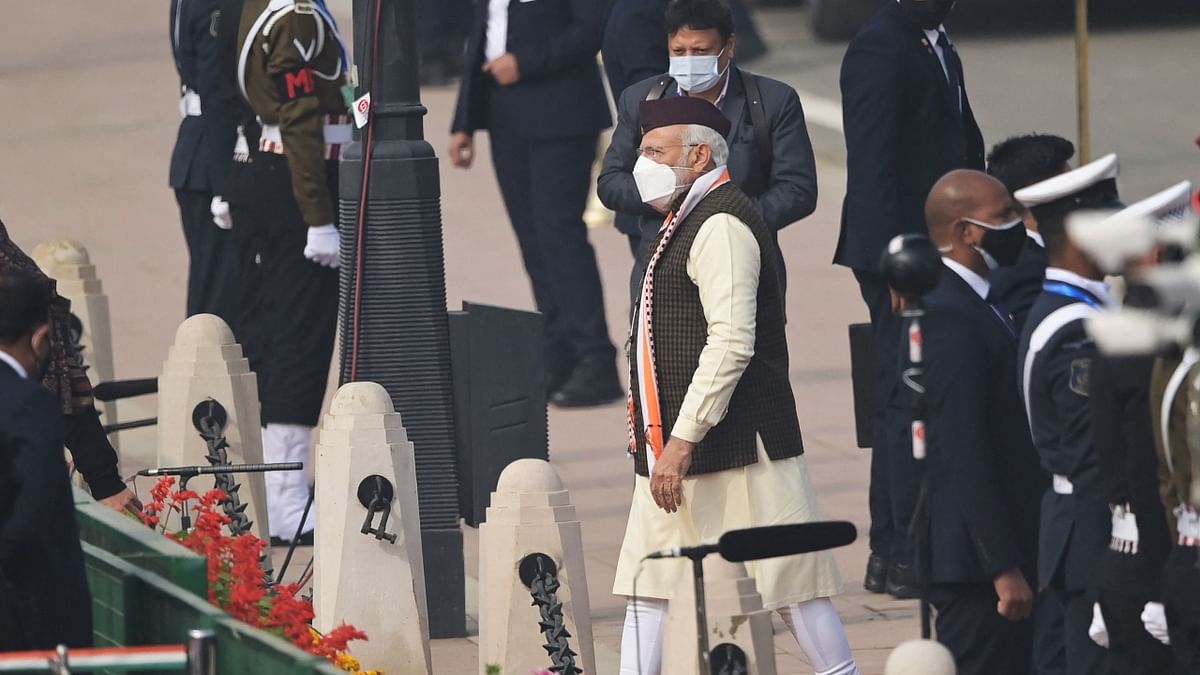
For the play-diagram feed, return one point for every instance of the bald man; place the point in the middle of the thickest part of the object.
(984, 481)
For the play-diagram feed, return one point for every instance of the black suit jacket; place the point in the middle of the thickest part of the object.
(635, 43)
(984, 478)
(903, 132)
(1017, 286)
(560, 94)
(40, 555)
(786, 191)
(196, 164)
(1075, 527)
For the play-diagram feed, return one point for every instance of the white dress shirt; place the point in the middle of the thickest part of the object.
(496, 41)
(1096, 288)
(12, 363)
(977, 283)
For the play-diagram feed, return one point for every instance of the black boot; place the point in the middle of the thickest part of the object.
(902, 582)
(876, 579)
(593, 382)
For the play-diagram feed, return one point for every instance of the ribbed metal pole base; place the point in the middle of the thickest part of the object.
(403, 342)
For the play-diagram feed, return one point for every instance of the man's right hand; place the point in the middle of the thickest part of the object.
(220, 213)
(462, 149)
(1016, 598)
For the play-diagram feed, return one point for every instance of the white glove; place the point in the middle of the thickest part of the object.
(323, 245)
(1098, 631)
(1154, 617)
(220, 213)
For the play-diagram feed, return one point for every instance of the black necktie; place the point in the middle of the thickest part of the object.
(953, 68)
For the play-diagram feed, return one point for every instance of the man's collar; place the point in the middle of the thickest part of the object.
(699, 189)
(724, 88)
(14, 364)
(1096, 288)
(1036, 237)
(976, 282)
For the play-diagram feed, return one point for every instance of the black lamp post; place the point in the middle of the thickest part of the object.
(394, 327)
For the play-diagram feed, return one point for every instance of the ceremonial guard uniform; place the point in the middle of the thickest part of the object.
(291, 71)
(1055, 356)
(196, 161)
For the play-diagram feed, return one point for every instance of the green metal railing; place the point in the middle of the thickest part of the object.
(148, 590)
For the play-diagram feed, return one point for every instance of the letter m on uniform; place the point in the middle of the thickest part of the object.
(293, 84)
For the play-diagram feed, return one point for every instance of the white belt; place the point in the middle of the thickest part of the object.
(189, 104)
(1062, 485)
(335, 134)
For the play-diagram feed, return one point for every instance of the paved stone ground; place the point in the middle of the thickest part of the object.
(87, 98)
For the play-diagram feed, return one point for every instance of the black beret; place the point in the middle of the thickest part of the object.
(672, 110)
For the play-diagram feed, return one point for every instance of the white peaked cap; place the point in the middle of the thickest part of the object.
(1069, 183)
(920, 657)
(1169, 204)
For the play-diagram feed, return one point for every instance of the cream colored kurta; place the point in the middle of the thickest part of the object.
(724, 264)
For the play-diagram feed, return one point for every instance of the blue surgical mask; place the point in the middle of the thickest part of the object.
(696, 73)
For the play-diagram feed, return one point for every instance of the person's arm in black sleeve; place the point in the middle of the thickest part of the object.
(218, 97)
(577, 43)
(35, 440)
(871, 81)
(792, 191)
(637, 45)
(957, 385)
(1108, 415)
(1069, 373)
(94, 456)
(615, 185)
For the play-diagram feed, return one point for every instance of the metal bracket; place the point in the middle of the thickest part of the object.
(376, 493)
(209, 410)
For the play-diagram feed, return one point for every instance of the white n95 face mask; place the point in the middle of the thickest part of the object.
(656, 183)
(696, 73)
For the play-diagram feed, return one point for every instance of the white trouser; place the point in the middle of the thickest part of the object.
(287, 491)
(815, 625)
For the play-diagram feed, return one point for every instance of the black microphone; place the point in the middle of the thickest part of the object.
(118, 389)
(772, 541)
(685, 552)
(224, 468)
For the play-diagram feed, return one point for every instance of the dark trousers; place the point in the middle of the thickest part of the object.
(892, 495)
(982, 641)
(1049, 652)
(545, 186)
(1131, 649)
(1181, 593)
(292, 329)
(210, 287)
(1083, 655)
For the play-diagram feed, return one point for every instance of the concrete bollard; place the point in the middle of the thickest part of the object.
(68, 263)
(374, 579)
(206, 364)
(735, 617)
(920, 657)
(530, 513)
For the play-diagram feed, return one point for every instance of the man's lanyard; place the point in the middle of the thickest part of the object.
(1067, 290)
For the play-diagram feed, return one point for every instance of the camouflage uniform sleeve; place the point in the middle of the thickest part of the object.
(291, 47)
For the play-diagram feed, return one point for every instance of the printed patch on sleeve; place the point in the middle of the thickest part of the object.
(292, 84)
(1080, 369)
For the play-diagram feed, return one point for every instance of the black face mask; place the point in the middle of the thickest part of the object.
(1003, 242)
(928, 14)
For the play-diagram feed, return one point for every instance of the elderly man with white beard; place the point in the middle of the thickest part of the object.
(712, 419)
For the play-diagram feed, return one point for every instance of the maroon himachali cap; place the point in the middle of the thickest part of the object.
(672, 110)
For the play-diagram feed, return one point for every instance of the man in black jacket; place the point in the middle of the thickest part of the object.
(41, 561)
(531, 80)
(983, 475)
(1055, 360)
(197, 162)
(1019, 162)
(770, 155)
(907, 122)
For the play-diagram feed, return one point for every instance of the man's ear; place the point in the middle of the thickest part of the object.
(40, 341)
(703, 158)
(731, 47)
